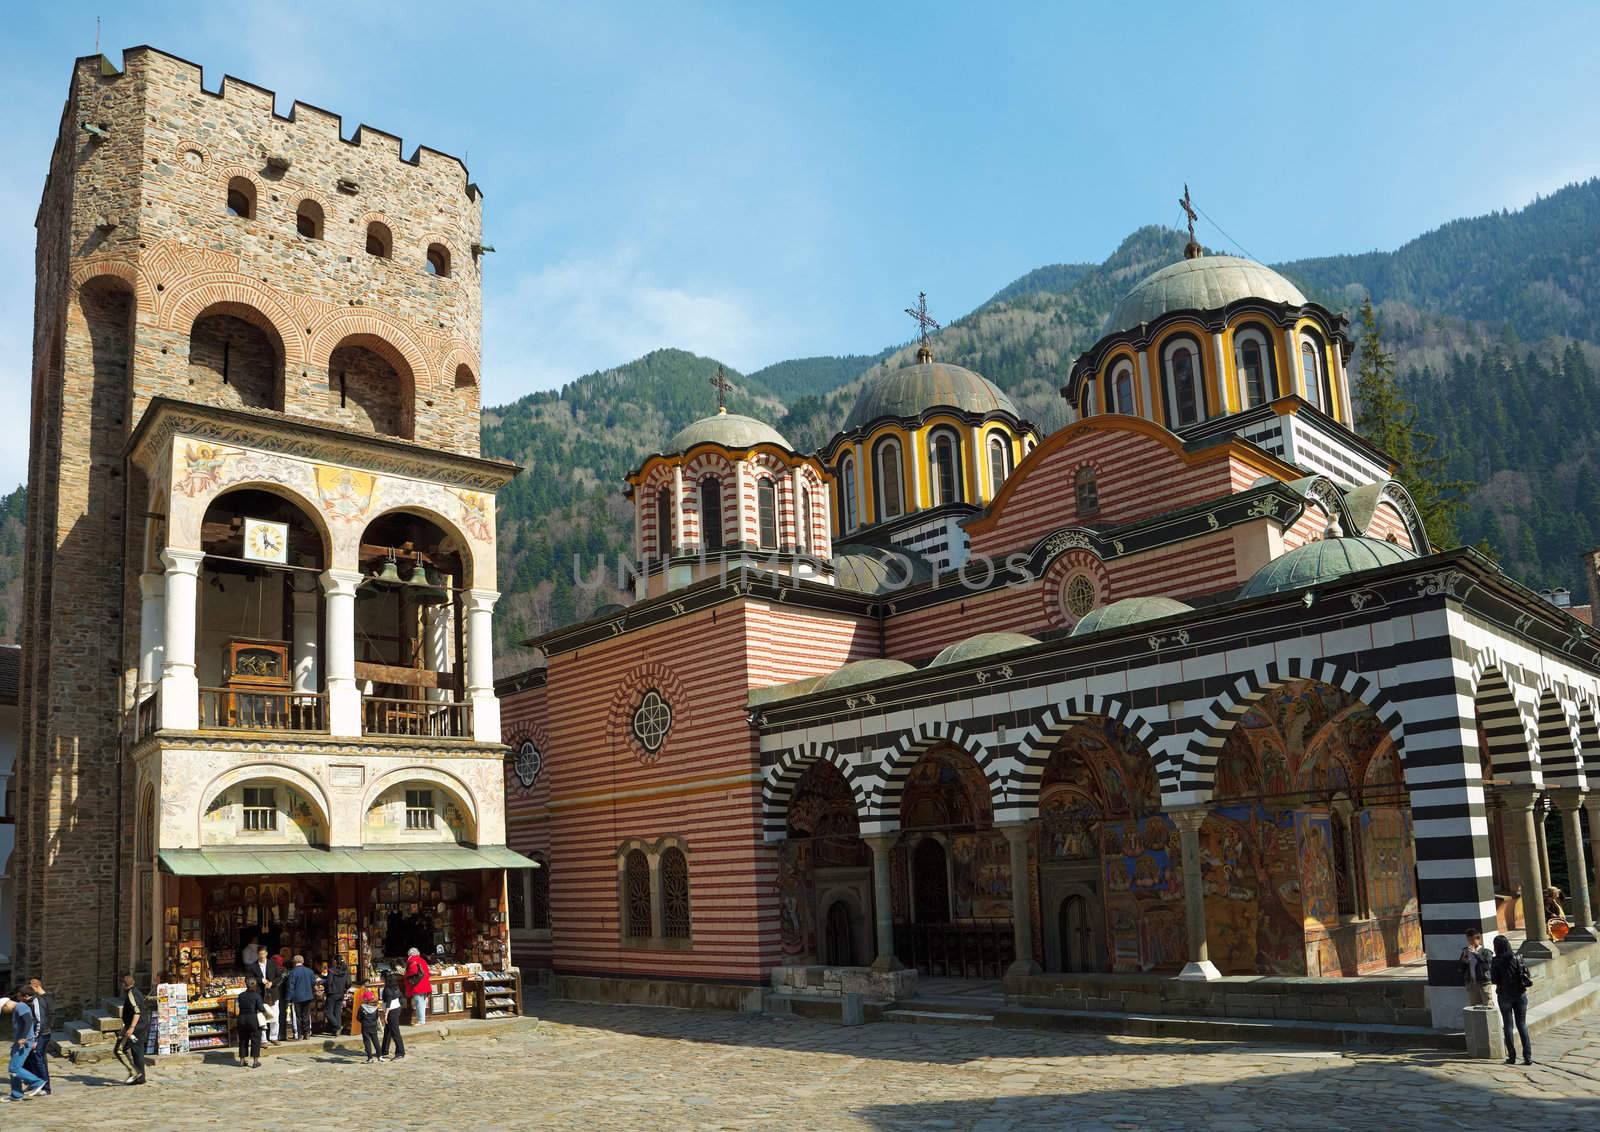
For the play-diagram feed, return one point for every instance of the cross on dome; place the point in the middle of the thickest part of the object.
(721, 384)
(924, 322)
(1192, 248)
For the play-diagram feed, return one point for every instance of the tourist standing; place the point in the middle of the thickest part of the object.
(39, 1062)
(1511, 982)
(334, 985)
(274, 1012)
(300, 987)
(251, 1008)
(135, 1029)
(24, 1082)
(391, 1018)
(1475, 962)
(369, 1014)
(418, 985)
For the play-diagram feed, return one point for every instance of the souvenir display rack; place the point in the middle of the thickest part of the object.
(210, 1023)
(497, 994)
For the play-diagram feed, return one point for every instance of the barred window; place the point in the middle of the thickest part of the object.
(636, 894)
(767, 513)
(675, 894)
(260, 809)
(539, 895)
(419, 809)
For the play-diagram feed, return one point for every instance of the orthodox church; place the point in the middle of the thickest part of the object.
(1178, 692)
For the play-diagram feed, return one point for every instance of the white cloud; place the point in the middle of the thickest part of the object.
(587, 313)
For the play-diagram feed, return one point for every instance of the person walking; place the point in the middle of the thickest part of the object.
(369, 1015)
(1511, 982)
(300, 988)
(135, 1028)
(334, 985)
(391, 1018)
(39, 1060)
(251, 1010)
(24, 1082)
(1475, 962)
(418, 985)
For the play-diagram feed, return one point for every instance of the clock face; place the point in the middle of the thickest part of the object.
(266, 542)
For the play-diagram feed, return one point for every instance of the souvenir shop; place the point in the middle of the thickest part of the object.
(220, 907)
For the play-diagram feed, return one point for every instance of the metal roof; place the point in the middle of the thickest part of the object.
(731, 430)
(1203, 283)
(234, 861)
(908, 391)
(1128, 611)
(1322, 561)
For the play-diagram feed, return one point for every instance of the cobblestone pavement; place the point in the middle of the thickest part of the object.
(599, 1068)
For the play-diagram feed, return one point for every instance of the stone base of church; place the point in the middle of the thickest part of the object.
(833, 982)
(625, 990)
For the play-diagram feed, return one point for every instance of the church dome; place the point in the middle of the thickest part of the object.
(1203, 283)
(731, 430)
(1128, 611)
(1322, 561)
(982, 644)
(861, 672)
(909, 390)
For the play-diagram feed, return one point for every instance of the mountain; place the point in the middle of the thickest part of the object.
(13, 515)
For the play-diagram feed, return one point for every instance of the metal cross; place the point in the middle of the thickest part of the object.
(924, 320)
(1188, 210)
(721, 384)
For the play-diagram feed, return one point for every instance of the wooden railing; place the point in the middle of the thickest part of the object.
(968, 949)
(147, 716)
(231, 709)
(437, 719)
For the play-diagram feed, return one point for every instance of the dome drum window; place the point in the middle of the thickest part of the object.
(711, 537)
(1119, 389)
(1184, 375)
(887, 481)
(847, 493)
(664, 539)
(767, 513)
(944, 467)
(1313, 373)
(999, 461)
(1252, 354)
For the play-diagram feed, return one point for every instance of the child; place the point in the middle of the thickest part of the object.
(371, 1019)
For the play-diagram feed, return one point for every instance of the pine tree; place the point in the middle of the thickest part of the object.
(1389, 420)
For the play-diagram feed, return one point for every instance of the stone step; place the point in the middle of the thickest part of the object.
(103, 1020)
(937, 1018)
(1563, 1007)
(87, 1034)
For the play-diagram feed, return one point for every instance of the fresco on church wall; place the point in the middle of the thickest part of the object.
(1251, 870)
(981, 863)
(1144, 895)
(823, 832)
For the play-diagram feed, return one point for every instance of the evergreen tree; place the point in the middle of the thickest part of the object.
(1388, 419)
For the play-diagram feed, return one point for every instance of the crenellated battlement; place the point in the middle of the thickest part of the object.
(303, 121)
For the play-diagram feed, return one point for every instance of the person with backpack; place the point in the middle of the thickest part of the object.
(1475, 963)
(1512, 979)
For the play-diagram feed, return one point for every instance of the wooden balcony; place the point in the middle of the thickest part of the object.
(232, 709)
(433, 719)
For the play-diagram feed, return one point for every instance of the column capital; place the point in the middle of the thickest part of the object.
(482, 601)
(341, 583)
(182, 559)
(881, 842)
(1017, 830)
(1189, 819)
(1518, 796)
(1567, 798)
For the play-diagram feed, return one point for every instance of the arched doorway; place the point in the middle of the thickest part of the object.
(824, 874)
(839, 937)
(930, 882)
(1075, 928)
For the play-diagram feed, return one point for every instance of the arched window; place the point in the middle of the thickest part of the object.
(380, 241)
(1252, 355)
(1087, 490)
(1313, 372)
(847, 492)
(308, 220)
(664, 522)
(767, 513)
(438, 260)
(241, 198)
(539, 895)
(999, 460)
(1119, 388)
(636, 895)
(1185, 398)
(803, 535)
(887, 482)
(674, 894)
(944, 466)
(711, 513)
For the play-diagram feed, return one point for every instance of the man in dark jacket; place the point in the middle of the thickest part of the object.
(39, 1060)
(299, 989)
(334, 986)
(135, 1028)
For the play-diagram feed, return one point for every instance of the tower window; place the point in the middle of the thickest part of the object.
(803, 535)
(1253, 359)
(847, 492)
(308, 220)
(1119, 389)
(438, 260)
(999, 461)
(664, 522)
(767, 513)
(1185, 399)
(380, 241)
(891, 500)
(1088, 491)
(711, 513)
(1311, 364)
(944, 460)
(241, 198)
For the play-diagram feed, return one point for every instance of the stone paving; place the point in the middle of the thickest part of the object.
(600, 1068)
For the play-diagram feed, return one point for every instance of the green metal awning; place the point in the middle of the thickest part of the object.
(234, 861)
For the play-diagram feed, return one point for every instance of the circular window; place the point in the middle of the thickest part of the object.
(1079, 595)
(652, 720)
(529, 762)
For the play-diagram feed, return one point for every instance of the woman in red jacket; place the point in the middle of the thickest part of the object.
(418, 986)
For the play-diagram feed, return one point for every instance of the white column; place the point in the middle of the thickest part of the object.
(861, 485)
(344, 699)
(1347, 412)
(1017, 837)
(480, 665)
(918, 455)
(1199, 966)
(1521, 803)
(1222, 375)
(306, 675)
(180, 686)
(1149, 389)
(739, 539)
(436, 621)
(1569, 800)
(1296, 383)
(802, 537)
(883, 901)
(152, 615)
(677, 513)
(979, 465)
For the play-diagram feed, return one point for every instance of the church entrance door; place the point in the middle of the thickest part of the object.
(930, 881)
(839, 940)
(1076, 934)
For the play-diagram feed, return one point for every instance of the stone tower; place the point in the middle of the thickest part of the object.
(313, 294)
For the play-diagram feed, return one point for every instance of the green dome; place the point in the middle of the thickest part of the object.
(1204, 283)
(877, 569)
(1322, 561)
(1128, 611)
(907, 391)
(729, 430)
(860, 672)
(982, 644)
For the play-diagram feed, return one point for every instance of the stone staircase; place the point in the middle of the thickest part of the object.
(93, 1037)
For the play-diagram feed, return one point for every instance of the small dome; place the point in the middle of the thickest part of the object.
(860, 672)
(1128, 611)
(1322, 561)
(982, 644)
(907, 391)
(877, 570)
(730, 430)
(1204, 283)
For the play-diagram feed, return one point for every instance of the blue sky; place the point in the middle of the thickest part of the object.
(755, 181)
